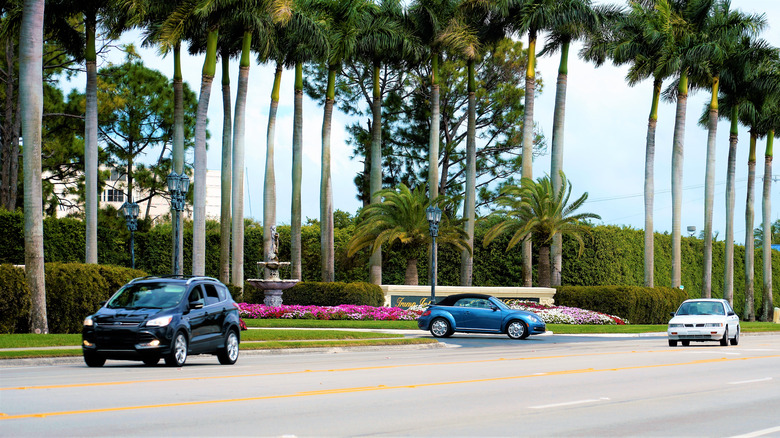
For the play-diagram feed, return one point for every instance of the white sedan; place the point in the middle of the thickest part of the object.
(704, 320)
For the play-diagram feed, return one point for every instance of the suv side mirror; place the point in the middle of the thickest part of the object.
(196, 304)
(671, 314)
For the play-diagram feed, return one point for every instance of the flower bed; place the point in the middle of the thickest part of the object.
(342, 312)
(565, 315)
(549, 314)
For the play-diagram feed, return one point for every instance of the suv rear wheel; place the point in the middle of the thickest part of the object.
(229, 354)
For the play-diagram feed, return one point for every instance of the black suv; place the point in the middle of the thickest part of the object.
(164, 317)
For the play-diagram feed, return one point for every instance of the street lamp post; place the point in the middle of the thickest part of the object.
(433, 214)
(130, 210)
(177, 187)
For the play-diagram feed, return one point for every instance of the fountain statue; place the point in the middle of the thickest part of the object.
(271, 284)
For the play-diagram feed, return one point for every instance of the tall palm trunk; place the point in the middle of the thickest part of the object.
(469, 206)
(410, 276)
(269, 190)
(297, 173)
(749, 311)
(199, 196)
(709, 190)
(237, 200)
(9, 149)
(528, 143)
(31, 97)
(649, 236)
(766, 211)
(327, 250)
(433, 139)
(375, 262)
(178, 146)
(728, 271)
(556, 157)
(226, 174)
(544, 266)
(91, 144)
(677, 177)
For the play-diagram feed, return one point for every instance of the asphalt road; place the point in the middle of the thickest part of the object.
(545, 386)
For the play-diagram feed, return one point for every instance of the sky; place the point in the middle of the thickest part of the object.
(604, 141)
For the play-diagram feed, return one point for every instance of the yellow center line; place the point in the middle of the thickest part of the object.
(365, 388)
(178, 379)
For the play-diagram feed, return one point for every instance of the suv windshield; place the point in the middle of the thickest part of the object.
(147, 295)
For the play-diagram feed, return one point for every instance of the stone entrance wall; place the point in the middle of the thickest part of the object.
(405, 296)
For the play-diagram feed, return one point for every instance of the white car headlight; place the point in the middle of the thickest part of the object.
(675, 325)
(88, 321)
(160, 322)
(713, 324)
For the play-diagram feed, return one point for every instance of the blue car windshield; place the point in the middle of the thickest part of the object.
(501, 304)
(147, 296)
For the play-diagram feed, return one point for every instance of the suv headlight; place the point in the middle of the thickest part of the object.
(88, 321)
(159, 322)
(713, 324)
(675, 325)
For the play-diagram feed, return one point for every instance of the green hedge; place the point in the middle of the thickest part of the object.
(73, 291)
(612, 256)
(312, 293)
(14, 300)
(639, 305)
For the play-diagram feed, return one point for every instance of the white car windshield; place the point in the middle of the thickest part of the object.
(701, 308)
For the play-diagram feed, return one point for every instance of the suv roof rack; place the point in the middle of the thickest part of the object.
(189, 278)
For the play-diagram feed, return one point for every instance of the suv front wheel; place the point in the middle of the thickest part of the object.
(178, 354)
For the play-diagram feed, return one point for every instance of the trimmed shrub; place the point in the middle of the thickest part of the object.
(14, 300)
(74, 290)
(639, 305)
(312, 293)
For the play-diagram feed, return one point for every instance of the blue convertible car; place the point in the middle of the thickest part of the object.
(477, 313)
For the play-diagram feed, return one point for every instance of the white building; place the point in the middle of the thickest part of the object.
(156, 207)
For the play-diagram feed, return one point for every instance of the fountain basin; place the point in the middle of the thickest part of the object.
(272, 289)
(272, 284)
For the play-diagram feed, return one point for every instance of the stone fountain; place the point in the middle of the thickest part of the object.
(271, 284)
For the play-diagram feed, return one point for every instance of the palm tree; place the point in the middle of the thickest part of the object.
(752, 114)
(384, 40)
(251, 18)
(304, 39)
(534, 210)
(429, 18)
(475, 26)
(688, 20)
(641, 38)
(576, 26)
(770, 122)
(151, 16)
(533, 17)
(720, 35)
(739, 73)
(343, 22)
(226, 174)
(31, 100)
(401, 216)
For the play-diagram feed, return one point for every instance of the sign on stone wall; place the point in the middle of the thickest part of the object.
(407, 301)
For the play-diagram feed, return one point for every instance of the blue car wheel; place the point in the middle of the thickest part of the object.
(440, 328)
(517, 329)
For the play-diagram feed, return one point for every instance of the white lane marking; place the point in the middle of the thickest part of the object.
(750, 381)
(578, 402)
(759, 433)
